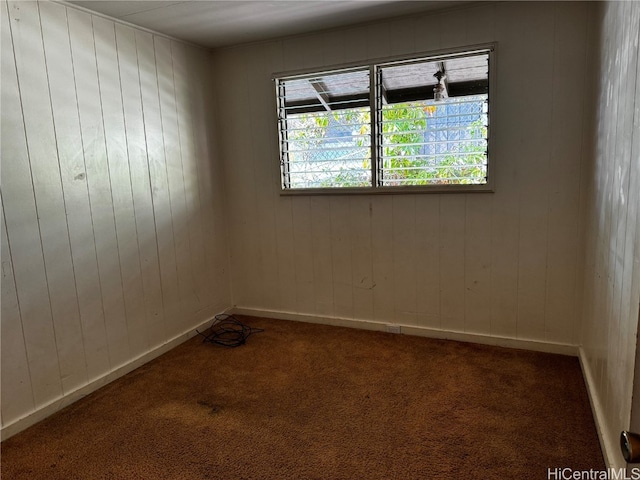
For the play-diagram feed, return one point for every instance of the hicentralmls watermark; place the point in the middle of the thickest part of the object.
(608, 474)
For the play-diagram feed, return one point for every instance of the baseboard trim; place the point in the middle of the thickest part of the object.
(547, 347)
(610, 447)
(58, 404)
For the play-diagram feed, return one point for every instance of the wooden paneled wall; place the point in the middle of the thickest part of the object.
(612, 266)
(113, 236)
(506, 264)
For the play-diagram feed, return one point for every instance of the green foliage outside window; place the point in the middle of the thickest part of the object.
(409, 157)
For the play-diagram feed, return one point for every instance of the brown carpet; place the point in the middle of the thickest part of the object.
(304, 401)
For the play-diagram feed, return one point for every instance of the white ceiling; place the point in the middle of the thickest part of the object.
(222, 23)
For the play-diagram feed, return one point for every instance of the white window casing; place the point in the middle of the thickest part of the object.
(400, 125)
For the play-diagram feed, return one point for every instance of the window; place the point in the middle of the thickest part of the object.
(414, 124)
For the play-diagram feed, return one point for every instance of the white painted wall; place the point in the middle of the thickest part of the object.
(612, 266)
(113, 230)
(506, 264)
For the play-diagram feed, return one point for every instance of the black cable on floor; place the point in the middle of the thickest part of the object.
(228, 331)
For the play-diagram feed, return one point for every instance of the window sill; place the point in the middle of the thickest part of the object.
(486, 188)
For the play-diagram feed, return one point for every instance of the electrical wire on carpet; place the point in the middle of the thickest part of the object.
(228, 331)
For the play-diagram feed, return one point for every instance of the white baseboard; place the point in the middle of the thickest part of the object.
(75, 395)
(547, 347)
(610, 446)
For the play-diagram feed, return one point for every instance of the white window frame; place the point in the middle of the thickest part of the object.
(373, 66)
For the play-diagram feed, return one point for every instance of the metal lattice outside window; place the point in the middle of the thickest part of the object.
(413, 125)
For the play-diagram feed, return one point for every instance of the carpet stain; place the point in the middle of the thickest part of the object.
(214, 409)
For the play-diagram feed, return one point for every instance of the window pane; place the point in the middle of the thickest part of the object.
(434, 141)
(326, 131)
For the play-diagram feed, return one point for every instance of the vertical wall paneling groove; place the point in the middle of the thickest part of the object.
(321, 243)
(403, 228)
(341, 267)
(320, 210)
(109, 183)
(382, 281)
(360, 210)
(23, 233)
